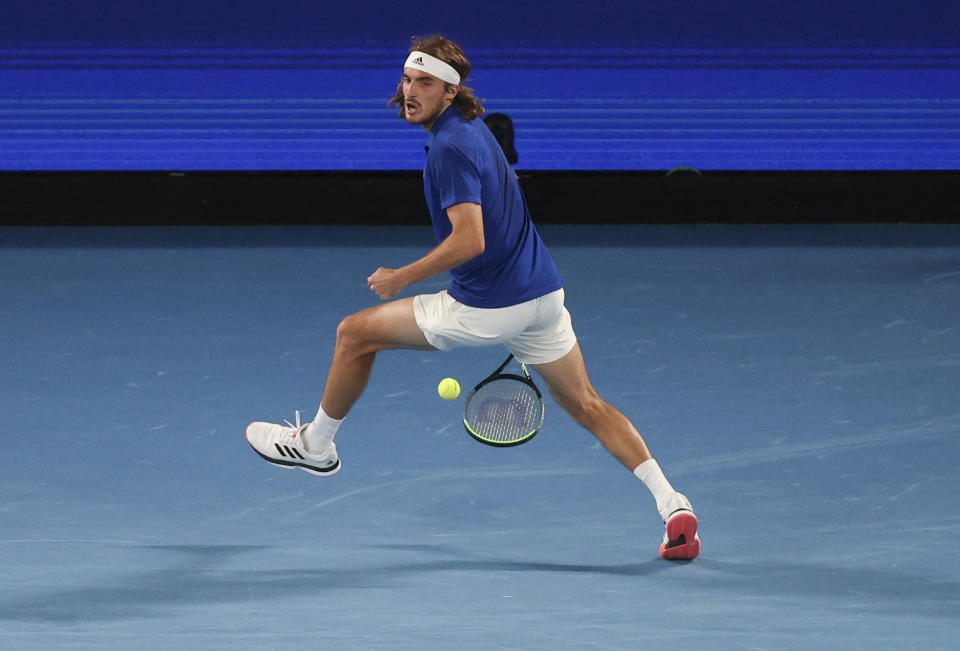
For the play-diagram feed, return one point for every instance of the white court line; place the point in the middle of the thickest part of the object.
(32, 541)
(950, 274)
(490, 473)
(934, 428)
(929, 429)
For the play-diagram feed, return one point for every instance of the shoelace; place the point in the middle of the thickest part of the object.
(296, 428)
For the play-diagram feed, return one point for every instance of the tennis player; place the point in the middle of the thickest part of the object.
(505, 290)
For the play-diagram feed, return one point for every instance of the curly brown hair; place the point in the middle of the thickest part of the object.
(450, 53)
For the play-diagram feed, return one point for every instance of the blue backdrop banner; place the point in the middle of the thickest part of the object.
(609, 85)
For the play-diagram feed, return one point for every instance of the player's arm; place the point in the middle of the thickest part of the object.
(465, 242)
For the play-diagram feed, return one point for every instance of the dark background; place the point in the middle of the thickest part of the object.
(248, 112)
(495, 23)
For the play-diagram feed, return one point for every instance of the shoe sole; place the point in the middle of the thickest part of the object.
(291, 465)
(684, 543)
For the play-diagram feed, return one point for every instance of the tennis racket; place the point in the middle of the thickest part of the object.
(505, 409)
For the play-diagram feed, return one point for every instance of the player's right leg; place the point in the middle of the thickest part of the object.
(284, 447)
(359, 337)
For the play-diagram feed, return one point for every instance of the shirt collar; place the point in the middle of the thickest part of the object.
(450, 113)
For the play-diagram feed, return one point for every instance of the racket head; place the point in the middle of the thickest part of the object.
(504, 411)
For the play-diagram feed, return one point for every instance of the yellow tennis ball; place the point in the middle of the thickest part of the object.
(448, 388)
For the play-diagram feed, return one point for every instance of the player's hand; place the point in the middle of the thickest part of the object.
(385, 283)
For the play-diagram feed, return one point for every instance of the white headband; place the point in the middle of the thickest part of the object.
(433, 66)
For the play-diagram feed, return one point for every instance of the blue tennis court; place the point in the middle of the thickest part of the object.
(798, 383)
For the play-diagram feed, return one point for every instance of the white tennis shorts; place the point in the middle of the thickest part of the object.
(536, 332)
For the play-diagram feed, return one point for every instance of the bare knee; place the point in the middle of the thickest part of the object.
(351, 336)
(587, 410)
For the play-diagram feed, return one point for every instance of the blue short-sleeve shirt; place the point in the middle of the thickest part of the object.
(466, 165)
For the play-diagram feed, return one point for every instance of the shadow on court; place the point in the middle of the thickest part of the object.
(191, 578)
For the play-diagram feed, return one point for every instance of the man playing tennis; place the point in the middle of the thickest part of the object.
(505, 290)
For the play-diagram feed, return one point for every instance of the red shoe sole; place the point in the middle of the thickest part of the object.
(682, 533)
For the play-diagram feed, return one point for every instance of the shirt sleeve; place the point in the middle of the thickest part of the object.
(456, 177)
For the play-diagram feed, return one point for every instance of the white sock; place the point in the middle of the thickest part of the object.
(320, 432)
(652, 476)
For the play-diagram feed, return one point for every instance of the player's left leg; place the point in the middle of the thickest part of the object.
(569, 384)
(567, 380)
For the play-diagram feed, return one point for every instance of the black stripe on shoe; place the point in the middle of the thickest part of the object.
(327, 469)
(295, 464)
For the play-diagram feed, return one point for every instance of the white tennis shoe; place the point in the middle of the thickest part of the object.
(680, 540)
(282, 445)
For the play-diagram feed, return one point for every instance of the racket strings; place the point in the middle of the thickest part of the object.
(504, 411)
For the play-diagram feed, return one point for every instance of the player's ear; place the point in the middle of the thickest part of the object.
(452, 91)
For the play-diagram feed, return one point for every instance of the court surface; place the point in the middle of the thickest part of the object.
(799, 384)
